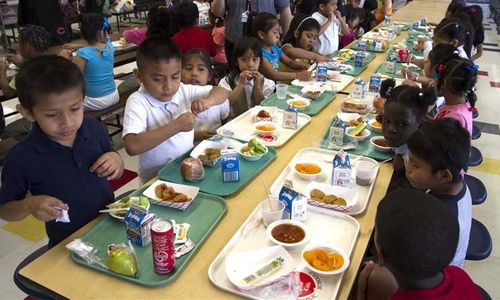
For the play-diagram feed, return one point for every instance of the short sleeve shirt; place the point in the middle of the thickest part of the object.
(328, 41)
(42, 166)
(144, 113)
(212, 118)
(459, 112)
(98, 73)
(273, 57)
(234, 8)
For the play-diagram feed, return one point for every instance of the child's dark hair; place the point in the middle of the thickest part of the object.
(460, 75)
(187, 14)
(443, 144)
(155, 49)
(262, 22)
(47, 74)
(412, 97)
(454, 6)
(92, 24)
(243, 45)
(475, 12)
(307, 7)
(458, 27)
(299, 24)
(352, 13)
(416, 233)
(325, 2)
(159, 22)
(36, 36)
(442, 53)
(201, 54)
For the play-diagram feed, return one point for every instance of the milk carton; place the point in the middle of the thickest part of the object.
(291, 117)
(337, 131)
(137, 224)
(295, 204)
(358, 89)
(230, 163)
(341, 174)
(375, 83)
(321, 73)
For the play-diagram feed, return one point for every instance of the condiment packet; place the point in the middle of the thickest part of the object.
(183, 249)
(181, 231)
(63, 216)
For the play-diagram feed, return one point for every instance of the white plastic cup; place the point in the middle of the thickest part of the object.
(281, 90)
(273, 213)
(365, 171)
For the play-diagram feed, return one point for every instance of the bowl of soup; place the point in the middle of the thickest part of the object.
(380, 144)
(288, 233)
(325, 260)
(375, 126)
(307, 170)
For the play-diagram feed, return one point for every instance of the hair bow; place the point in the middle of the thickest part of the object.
(472, 10)
(473, 109)
(472, 67)
(440, 68)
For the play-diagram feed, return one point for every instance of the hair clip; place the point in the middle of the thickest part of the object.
(472, 67)
(472, 10)
(420, 94)
(473, 109)
(440, 68)
(389, 91)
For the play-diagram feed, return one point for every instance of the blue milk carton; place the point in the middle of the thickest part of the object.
(341, 174)
(137, 224)
(337, 132)
(321, 73)
(230, 163)
(291, 117)
(358, 89)
(375, 82)
(295, 204)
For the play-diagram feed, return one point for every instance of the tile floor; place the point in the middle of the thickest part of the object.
(14, 248)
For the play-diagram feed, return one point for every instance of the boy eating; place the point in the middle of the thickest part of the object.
(330, 20)
(66, 160)
(159, 118)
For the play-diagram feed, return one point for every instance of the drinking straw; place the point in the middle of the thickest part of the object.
(267, 193)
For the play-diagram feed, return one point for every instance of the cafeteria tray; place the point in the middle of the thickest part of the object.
(363, 148)
(382, 69)
(342, 231)
(313, 109)
(370, 48)
(323, 158)
(240, 127)
(212, 183)
(203, 215)
(356, 70)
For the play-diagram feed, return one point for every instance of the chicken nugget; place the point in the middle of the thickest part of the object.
(340, 201)
(180, 198)
(329, 199)
(159, 190)
(315, 193)
(203, 157)
(318, 200)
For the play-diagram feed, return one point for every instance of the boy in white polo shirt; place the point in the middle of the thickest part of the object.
(331, 22)
(159, 117)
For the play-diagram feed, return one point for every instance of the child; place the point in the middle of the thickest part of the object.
(301, 39)
(456, 83)
(404, 110)
(265, 28)
(191, 36)
(159, 22)
(452, 31)
(197, 70)
(247, 86)
(33, 41)
(159, 118)
(330, 20)
(438, 152)
(352, 19)
(416, 237)
(476, 17)
(96, 61)
(218, 37)
(67, 159)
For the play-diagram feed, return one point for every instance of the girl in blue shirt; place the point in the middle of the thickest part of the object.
(96, 61)
(265, 27)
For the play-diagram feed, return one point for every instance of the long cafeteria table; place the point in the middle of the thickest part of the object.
(56, 271)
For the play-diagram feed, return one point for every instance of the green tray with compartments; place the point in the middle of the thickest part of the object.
(369, 48)
(356, 70)
(364, 148)
(212, 183)
(410, 46)
(382, 69)
(204, 213)
(313, 109)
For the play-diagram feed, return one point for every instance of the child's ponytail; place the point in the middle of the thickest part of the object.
(460, 75)
(387, 87)
(427, 96)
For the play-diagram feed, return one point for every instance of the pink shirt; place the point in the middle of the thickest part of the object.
(218, 36)
(346, 39)
(459, 112)
(135, 35)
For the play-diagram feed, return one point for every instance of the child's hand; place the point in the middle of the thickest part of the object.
(398, 164)
(258, 79)
(42, 207)
(304, 75)
(408, 74)
(71, 47)
(186, 121)
(3, 66)
(321, 58)
(409, 82)
(245, 76)
(338, 15)
(16, 59)
(203, 135)
(199, 106)
(364, 275)
(66, 54)
(109, 165)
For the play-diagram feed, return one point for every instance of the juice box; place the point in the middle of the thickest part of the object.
(230, 163)
(137, 224)
(290, 117)
(341, 174)
(295, 204)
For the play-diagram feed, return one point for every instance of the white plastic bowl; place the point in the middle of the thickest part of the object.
(377, 147)
(365, 134)
(265, 123)
(306, 103)
(328, 249)
(251, 157)
(289, 246)
(373, 128)
(309, 177)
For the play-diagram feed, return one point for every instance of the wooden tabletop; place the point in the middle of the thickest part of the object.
(65, 277)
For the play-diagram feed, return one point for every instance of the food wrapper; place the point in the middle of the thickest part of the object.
(63, 216)
(341, 174)
(122, 259)
(184, 249)
(86, 251)
(181, 232)
(287, 288)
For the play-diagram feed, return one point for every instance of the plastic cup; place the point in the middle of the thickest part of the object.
(365, 171)
(281, 90)
(273, 213)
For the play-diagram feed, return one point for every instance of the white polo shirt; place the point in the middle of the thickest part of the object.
(144, 113)
(211, 119)
(328, 41)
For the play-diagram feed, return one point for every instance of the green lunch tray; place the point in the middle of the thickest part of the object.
(357, 70)
(364, 148)
(368, 48)
(203, 215)
(212, 183)
(382, 69)
(393, 51)
(313, 109)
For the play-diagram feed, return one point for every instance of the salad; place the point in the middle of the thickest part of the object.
(126, 203)
(254, 148)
